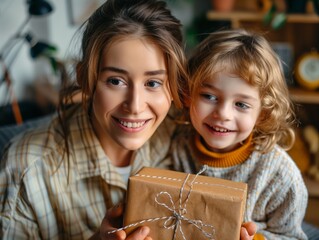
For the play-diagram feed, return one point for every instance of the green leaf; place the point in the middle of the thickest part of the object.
(279, 20)
(269, 14)
(316, 6)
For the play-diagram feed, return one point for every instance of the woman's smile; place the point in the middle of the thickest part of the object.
(131, 125)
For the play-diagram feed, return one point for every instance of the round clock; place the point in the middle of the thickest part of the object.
(307, 70)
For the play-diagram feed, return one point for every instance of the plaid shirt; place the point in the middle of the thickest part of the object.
(43, 197)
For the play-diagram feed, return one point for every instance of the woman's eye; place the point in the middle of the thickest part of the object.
(242, 105)
(153, 84)
(115, 81)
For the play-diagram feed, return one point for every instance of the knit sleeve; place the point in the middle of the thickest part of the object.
(285, 200)
(285, 222)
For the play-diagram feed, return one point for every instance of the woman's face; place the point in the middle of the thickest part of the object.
(132, 94)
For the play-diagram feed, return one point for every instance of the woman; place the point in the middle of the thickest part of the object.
(59, 180)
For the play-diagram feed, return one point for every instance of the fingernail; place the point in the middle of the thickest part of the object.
(145, 231)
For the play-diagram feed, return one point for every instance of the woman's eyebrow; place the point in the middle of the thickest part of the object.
(114, 69)
(120, 70)
(156, 72)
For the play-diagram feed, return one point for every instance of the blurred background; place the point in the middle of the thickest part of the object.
(39, 45)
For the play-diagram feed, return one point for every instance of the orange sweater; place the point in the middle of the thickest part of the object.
(229, 159)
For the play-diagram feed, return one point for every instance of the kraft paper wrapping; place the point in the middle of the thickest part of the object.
(175, 206)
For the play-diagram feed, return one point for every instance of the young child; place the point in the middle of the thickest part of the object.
(242, 122)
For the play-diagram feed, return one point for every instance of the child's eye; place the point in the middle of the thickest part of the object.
(115, 81)
(242, 105)
(209, 97)
(154, 83)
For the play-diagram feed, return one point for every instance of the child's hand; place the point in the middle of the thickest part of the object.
(248, 231)
(113, 219)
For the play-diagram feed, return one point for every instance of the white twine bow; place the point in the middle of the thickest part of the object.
(178, 214)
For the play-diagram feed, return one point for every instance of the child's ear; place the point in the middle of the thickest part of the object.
(187, 101)
(261, 118)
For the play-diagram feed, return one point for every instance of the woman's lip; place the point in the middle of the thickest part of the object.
(131, 120)
(131, 125)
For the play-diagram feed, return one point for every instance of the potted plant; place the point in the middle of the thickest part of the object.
(277, 19)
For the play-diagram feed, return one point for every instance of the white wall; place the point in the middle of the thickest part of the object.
(57, 29)
(54, 28)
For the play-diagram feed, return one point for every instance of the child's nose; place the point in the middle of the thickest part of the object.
(224, 111)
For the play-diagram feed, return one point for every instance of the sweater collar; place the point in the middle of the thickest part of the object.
(213, 159)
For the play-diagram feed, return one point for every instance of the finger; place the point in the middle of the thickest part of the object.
(114, 216)
(111, 221)
(115, 211)
(140, 233)
(244, 234)
(250, 227)
(119, 235)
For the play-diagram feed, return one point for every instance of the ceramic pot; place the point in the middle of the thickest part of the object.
(223, 5)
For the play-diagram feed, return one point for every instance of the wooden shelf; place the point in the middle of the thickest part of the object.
(312, 186)
(304, 96)
(237, 17)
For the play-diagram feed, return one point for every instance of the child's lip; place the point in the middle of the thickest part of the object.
(219, 128)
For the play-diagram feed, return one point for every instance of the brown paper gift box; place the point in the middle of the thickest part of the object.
(155, 199)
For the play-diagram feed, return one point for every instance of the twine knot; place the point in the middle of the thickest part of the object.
(178, 215)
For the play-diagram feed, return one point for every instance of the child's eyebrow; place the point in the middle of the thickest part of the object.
(240, 95)
(248, 97)
(207, 85)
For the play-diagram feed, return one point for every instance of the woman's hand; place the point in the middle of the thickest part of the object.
(248, 231)
(113, 219)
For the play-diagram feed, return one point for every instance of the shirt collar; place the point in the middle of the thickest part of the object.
(89, 157)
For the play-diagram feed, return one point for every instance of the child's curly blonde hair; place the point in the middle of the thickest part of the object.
(249, 56)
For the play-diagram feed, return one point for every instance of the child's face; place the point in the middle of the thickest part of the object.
(132, 95)
(225, 111)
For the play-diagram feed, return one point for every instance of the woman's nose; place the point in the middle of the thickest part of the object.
(135, 102)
